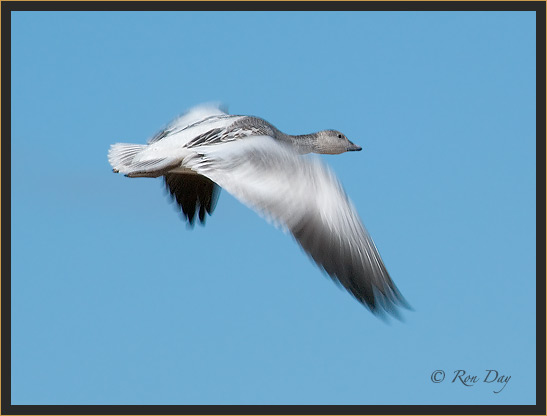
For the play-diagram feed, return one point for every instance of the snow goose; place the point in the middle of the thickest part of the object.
(206, 148)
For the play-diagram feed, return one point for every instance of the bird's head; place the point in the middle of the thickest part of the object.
(332, 142)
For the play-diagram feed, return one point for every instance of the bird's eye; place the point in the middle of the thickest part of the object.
(339, 136)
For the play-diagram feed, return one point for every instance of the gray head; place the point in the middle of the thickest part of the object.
(332, 142)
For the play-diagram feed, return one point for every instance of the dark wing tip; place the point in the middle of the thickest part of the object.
(368, 282)
(376, 291)
(195, 195)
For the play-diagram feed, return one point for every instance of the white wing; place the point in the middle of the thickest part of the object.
(302, 195)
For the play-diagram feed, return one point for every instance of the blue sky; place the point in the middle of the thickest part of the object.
(115, 301)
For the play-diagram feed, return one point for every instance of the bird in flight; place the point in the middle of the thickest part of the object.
(207, 149)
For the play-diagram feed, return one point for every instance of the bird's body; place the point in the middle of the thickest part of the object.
(264, 168)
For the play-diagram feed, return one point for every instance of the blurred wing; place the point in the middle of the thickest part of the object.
(193, 194)
(302, 195)
(196, 115)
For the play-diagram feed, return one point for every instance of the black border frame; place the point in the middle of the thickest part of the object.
(8, 6)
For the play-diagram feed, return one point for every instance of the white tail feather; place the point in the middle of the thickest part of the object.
(121, 156)
(134, 160)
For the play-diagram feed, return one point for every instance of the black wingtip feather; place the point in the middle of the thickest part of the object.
(193, 194)
(369, 285)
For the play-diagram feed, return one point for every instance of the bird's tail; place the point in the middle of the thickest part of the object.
(134, 161)
(121, 156)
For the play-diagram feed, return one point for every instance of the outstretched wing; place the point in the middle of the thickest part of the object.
(303, 196)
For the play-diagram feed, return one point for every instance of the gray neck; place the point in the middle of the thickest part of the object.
(304, 143)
